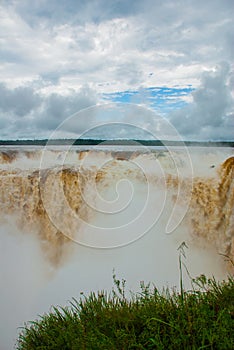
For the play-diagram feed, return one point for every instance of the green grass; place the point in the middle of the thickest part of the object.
(202, 318)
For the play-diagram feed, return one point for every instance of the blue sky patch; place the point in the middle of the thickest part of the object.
(162, 99)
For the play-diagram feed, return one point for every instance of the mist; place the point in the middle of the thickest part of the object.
(30, 286)
(123, 227)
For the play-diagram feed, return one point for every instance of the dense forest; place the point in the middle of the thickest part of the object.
(120, 142)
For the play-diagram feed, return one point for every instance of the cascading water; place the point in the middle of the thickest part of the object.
(68, 218)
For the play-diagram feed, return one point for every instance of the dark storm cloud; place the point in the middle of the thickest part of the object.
(19, 101)
(211, 113)
(57, 108)
(26, 113)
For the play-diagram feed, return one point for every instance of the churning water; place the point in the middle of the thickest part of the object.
(71, 216)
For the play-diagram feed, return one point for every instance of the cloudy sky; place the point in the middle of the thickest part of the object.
(173, 56)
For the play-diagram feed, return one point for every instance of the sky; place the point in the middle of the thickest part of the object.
(174, 57)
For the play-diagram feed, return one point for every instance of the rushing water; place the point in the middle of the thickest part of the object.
(71, 216)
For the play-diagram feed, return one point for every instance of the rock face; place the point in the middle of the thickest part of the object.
(53, 201)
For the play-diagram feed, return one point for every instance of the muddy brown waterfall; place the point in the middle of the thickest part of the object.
(25, 191)
(69, 217)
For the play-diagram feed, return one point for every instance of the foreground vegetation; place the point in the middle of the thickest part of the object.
(202, 318)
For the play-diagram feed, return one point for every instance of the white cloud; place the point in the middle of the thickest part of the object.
(162, 37)
(58, 47)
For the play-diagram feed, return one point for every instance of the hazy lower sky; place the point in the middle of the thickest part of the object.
(173, 56)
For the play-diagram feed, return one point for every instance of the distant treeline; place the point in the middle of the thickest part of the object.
(93, 142)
